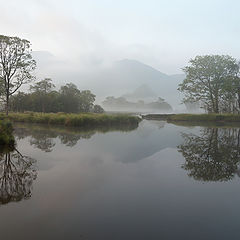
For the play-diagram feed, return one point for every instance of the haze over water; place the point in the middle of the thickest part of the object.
(159, 181)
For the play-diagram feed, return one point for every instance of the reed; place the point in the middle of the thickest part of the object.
(72, 120)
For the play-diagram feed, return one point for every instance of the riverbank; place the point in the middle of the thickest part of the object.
(6, 133)
(219, 118)
(74, 120)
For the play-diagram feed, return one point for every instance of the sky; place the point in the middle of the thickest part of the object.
(164, 34)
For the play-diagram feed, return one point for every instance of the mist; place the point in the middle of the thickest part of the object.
(112, 50)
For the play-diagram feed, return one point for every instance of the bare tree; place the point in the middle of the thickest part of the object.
(16, 65)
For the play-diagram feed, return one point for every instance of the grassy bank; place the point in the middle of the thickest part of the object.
(75, 120)
(6, 136)
(219, 118)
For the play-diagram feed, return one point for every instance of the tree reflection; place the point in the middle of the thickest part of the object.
(17, 173)
(42, 140)
(214, 155)
(43, 137)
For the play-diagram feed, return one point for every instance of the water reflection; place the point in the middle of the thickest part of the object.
(44, 137)
(17, 173)
(214, 155)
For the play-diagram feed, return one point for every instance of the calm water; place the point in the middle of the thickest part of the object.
(159, 181)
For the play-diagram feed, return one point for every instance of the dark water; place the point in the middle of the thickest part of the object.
(159, 181)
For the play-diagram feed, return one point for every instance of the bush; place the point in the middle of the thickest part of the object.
(6, 130)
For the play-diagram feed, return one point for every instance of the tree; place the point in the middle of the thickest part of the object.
(207, 78)
(44, 86)
(42, 89)
(20, 102)
(86, 101)
(16, 65)
(69, 98)
(98, 109)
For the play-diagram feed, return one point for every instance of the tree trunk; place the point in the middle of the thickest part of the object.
(7, 104)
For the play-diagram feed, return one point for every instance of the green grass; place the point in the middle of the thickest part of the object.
(196, 118)
(74, 120)
(204, 117)
(6, 130)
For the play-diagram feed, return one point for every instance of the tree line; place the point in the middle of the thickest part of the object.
(16, 69)
(122, 103)
(213, 81)
(44, 98)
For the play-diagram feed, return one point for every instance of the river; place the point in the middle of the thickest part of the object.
(158, 181)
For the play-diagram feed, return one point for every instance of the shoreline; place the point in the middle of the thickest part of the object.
(74, 120)
(195, 118)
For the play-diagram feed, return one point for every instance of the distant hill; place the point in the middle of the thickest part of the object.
(127, 75)
(121, 77)
(141, 93)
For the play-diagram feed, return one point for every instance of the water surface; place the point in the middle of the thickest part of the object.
(159, 181)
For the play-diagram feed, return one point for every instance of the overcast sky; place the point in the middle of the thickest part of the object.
(164, 34)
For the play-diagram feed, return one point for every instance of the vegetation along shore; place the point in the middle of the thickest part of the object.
(194, 117)
(6, 136)
(74, 120)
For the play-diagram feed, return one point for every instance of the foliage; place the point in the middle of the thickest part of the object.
(212, 80)
(6, 130)
(80, 120)
(204, 117)
(16, 65)
(97, 109)
(43, 98)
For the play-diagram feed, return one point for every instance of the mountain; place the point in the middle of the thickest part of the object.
(126, 75)
(119, 78)
(141, 93)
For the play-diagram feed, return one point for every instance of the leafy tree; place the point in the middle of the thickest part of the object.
(43, 98)
(44, 86)
(20, 102)
(207, 78)
(98, 109)
(41, 91)
(69, 98)
(16, 65)
(86, 101)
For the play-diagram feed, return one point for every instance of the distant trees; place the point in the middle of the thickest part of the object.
(123, 104)
(214, 81)
(98, 109)
(41, 92)
(69, 98)
(16, 66)
(43, 98)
